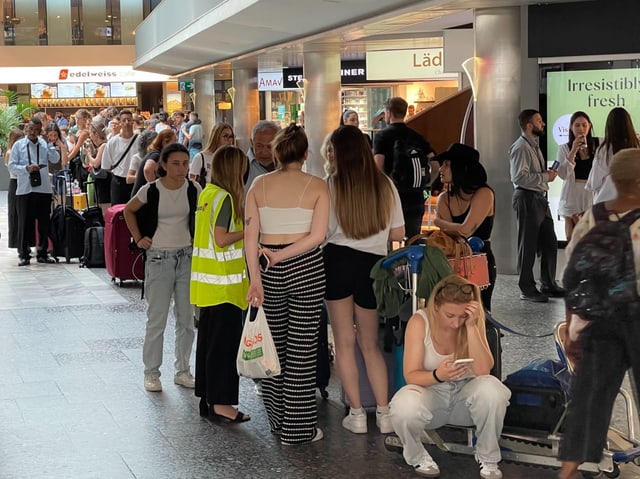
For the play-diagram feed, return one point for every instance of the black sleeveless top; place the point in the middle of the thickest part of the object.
(483, 231)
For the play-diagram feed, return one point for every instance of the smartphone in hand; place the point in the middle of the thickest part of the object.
(555, 165)
(458, 362)
(264, 262)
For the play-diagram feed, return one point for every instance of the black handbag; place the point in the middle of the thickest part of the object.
(34, 178)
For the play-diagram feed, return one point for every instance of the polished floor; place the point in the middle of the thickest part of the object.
(72, 403)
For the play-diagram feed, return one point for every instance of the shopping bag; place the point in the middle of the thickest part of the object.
(257, 356)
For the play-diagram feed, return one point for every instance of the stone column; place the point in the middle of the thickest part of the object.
(246, 107)
(321, 102)
(205, 105)
(506, 83)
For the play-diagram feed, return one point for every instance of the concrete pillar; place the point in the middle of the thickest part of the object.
(506, 83)
(246, 106)
(321, 102)
(205, 105)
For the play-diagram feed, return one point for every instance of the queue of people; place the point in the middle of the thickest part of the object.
(224, 230)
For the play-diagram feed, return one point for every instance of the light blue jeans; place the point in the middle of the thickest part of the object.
(481, 402)
(167, 275)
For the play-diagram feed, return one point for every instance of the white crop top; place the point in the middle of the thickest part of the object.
(432, 358)
(284, 220)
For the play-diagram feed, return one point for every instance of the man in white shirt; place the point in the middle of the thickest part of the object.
(117, 158)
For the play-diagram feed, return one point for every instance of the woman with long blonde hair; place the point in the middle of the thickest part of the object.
(219, 253)
(447, 361)
(200, 169)
(365, 215)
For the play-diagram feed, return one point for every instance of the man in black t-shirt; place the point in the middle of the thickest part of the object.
(395, 110)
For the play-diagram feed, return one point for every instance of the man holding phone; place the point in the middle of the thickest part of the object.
(531, 178)
(29, 161)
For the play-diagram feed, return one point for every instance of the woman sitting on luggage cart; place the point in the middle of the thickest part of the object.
(467, 207)
(446, 365)
(366, 214)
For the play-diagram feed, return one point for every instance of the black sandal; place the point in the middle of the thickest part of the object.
(240, 417)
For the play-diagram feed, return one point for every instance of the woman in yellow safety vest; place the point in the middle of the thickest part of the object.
(219, 285)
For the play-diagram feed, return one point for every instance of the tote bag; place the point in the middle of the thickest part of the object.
(257, 356)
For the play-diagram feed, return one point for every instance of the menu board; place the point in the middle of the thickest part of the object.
(43, 90)
(123, 89)
(70, 90)
(97, 90)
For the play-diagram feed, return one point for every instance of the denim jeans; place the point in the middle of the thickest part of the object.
(481, 401)
(167, 274)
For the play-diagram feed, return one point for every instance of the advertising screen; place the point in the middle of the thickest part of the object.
(43, 90)
(595, 92)
(96, 90)
(70, 90)
(123, 89)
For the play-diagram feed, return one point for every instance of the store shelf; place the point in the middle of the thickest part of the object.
(356, 99)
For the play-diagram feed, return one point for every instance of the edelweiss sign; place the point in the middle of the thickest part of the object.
(71, 74)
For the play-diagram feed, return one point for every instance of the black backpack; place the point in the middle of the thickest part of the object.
(93, 256)
(410, 169)
(600, 277)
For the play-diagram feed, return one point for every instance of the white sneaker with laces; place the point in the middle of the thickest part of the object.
(428, 468)
(383, 421)
(490, 470)
(152, 383)
(185, 379)
(356, 421)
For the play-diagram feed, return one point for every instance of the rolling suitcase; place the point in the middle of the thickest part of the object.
(122, 262)
(67, 233)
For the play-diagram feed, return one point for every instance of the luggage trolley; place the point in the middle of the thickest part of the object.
(523, 446)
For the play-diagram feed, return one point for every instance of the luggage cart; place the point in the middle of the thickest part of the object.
(529, 447)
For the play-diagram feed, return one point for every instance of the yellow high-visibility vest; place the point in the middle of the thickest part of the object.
(218, 275)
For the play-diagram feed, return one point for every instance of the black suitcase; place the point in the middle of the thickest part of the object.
(67, 233)
(493, 338)
(323, 363)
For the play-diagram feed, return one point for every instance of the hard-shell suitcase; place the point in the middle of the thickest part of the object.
(323, 362)
(122, 262)
(367, 398)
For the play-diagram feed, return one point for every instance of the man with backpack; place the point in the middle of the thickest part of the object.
(404, 155)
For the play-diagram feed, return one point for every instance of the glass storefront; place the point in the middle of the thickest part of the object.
(72, 22)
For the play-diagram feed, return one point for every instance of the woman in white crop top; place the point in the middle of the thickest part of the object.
(439, 392)
(286, 216)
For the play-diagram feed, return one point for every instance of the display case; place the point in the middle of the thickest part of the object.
(356, 99)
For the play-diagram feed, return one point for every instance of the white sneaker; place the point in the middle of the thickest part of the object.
(185, 379)
(428, 468)
(152, 383)
(356, 423)
(490, 470)
(383, 421)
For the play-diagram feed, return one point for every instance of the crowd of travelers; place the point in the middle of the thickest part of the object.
(233, 231)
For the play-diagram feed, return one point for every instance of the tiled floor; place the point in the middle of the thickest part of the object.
(72, 403)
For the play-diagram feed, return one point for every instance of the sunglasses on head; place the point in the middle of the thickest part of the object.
(454, 288)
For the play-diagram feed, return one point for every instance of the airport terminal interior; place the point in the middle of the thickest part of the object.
(72, 399)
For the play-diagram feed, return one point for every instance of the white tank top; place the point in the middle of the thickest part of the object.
(285, 220)
(432, 358)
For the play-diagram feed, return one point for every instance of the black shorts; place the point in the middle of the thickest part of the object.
(348, 274)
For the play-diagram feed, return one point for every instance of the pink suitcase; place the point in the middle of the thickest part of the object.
(122, 263)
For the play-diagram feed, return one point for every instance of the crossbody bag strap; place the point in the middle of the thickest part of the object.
(125, 152)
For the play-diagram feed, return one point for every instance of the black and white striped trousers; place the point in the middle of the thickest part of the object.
(293, 296)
